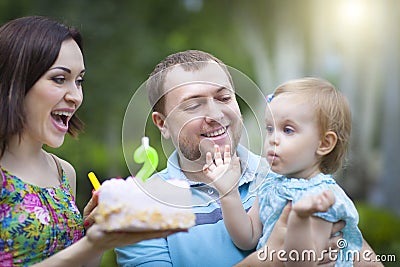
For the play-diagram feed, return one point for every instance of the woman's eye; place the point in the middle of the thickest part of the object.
(79, 82)
(58, 80)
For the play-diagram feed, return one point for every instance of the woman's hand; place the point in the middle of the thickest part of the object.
(104, 240)
(89, 210)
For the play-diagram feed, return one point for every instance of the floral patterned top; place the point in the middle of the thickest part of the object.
(36, 222)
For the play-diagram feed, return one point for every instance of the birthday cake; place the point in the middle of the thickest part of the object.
(132, 205)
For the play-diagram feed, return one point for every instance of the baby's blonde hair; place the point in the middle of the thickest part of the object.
(333, 114)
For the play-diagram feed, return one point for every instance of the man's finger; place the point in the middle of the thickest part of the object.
(283, 219)
(333, 241)
(337, 227)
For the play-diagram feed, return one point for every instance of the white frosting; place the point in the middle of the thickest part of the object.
(128, 204)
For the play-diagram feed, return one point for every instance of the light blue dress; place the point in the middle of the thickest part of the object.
(275, 192)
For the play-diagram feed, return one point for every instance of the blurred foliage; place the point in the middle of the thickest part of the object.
(109, 259)
(381, 230)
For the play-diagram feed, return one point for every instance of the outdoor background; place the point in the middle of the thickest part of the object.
(354, 44)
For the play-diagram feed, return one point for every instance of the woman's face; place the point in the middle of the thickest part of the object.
(55, 97)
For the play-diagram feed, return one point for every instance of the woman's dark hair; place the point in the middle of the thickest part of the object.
(29, 46)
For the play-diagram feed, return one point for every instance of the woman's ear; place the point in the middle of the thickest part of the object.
(327, 143)
(159, 121)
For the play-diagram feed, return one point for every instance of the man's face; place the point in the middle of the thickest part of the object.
(201, 110)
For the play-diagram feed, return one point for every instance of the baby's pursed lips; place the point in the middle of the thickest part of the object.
(272, 154)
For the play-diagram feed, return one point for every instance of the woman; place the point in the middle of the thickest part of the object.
(41, 76)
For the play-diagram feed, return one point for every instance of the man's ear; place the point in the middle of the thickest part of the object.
(159, 121)
(327, 143)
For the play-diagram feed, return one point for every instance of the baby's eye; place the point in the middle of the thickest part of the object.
(270, 129)
(288, 130)
(58, 79)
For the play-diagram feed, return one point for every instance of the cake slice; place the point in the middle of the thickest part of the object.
(132, 205)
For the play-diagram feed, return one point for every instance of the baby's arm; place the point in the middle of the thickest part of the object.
(245, 229)
(306, 232)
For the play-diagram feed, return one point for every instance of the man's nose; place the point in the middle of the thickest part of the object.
(214, 111)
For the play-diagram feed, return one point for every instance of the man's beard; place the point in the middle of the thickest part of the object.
(190, 151)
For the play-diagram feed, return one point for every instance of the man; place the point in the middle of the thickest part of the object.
(194, 105)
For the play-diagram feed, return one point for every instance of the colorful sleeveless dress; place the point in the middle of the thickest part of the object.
(36, 222)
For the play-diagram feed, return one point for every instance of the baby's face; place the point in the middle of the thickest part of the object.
(292, 136)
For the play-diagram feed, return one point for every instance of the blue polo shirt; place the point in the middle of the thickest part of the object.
(208, 242)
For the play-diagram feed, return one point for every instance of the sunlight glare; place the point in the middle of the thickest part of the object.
(353, 12)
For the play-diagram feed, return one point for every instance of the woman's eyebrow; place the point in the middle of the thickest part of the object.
(66, 69)
(61, 68)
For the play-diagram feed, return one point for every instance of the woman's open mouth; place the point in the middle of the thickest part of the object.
(61, 119)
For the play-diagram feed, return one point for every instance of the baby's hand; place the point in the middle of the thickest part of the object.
(222, 173)
(315, 203)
